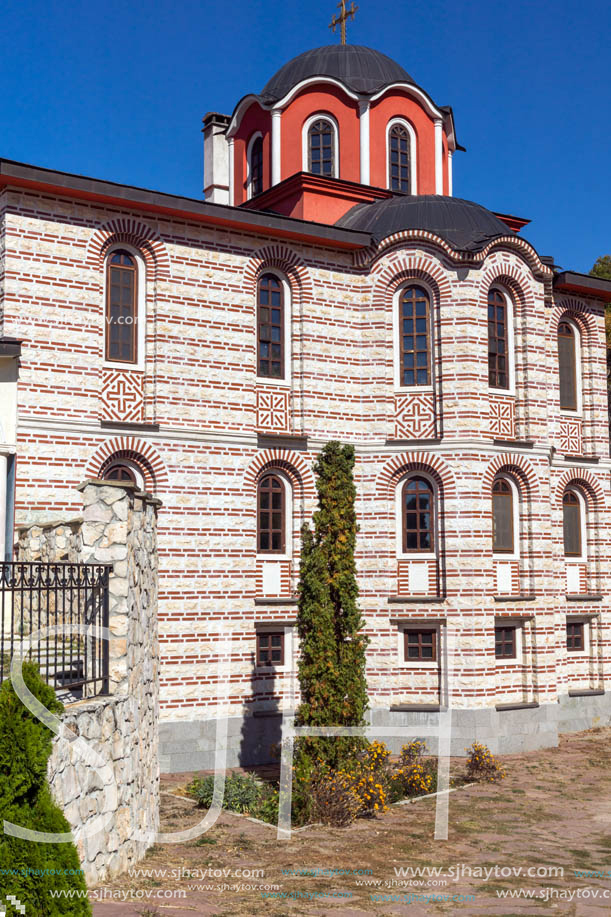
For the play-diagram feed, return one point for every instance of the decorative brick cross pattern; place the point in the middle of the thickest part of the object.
(502, 417)
(570, 437)
(122, 396)
(273, 411)
(415, 416)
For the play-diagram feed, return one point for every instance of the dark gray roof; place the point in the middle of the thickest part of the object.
(462, 224)
(357, 67)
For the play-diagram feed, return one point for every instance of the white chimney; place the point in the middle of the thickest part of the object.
(216, 158)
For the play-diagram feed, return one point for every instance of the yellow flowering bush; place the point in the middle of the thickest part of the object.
(335, 800)
(482, 765)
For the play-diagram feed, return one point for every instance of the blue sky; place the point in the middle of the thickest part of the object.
(117, 91)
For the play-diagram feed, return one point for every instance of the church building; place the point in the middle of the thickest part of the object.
(329, 286)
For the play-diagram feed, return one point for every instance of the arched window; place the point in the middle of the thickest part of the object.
(120, 473)
(498, 340)
(567, 366)
(256, 166)
(270, 327)
(418, 520)
(573, 523)
(414, 337)
(399, 159)
(321, 148)
(503, 521)
(271, 515)
(121, 308)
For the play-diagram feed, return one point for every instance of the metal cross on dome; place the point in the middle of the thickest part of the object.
(343, 18)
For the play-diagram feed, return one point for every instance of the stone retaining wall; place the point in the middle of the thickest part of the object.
(118, 526)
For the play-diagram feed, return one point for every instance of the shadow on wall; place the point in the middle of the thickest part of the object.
(262, 723)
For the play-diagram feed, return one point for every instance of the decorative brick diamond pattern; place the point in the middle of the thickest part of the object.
(415, 416)
(570, 437)
(502, 417)
(273, 411)
(122, 396)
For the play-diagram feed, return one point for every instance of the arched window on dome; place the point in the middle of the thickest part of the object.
(255, 166)
(322, 147)
(399, 158)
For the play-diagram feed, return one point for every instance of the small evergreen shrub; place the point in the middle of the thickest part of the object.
(243, 792)
(482, 765)
(25, 800)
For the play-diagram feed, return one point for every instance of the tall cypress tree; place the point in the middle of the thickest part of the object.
(332, 662)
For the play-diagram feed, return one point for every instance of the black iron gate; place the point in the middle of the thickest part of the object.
(71, 598)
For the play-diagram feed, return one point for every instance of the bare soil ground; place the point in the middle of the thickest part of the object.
(553, 810)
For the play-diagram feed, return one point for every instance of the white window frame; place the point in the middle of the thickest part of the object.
(286, 382)
(251, 143)
(431, 664)
(518, 623)
(566, 412)
(137, 472)
(511, 358)
(288, 516)
(583, 522)
(290, 638)
(415, 555)
(140, 309)
(416, 389)
(413, 145)
(305, 158)
(500, 556)
(586, 620)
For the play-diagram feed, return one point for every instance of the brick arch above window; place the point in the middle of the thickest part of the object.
(410, 463)
(135, 450)
(574, 311)
(295, 468)
(131, 232)
(400, 268)
(282, 259)
(510, 279)
(586, 482)
(519, 469)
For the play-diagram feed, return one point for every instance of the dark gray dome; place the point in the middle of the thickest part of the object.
(360, 69)
(462, 224)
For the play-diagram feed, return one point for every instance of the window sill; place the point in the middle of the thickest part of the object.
(415, 708)
(524, 597)
(532, 705)
(587, 692)
(516, 443)
(291, 440)
(276, 600)
(128, 367)
(272, 557)
(415, 599)
(390, 441)
(128, 424)
(584, 597)
(593, 459)
(265, 380)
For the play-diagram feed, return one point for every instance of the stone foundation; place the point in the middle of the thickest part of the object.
(189, 745)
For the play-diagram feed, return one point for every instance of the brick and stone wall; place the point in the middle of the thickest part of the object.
(202, 429)
(118, 526)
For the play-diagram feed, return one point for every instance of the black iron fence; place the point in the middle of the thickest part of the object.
(72, 601)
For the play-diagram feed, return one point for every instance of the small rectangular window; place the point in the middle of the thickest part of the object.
(270, 648)
(420, 645)
(575, 636)
(505, 642)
